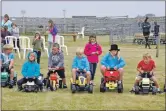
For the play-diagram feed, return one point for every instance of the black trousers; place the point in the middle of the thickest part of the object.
(24, 80)
(93, 67)
(18, 43)
(146, 35)
(38, 53)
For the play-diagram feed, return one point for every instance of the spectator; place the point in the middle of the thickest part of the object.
(7, 22)
(156, 32)
(15, 32)
(146, 31)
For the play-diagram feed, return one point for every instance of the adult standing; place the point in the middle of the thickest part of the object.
(6, 22)
(15, 32)
(146, 31)
(52, 34)
(156, 32)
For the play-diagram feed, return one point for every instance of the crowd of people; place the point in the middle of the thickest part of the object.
(86, 58)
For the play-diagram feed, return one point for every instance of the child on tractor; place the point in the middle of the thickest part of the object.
(93, 51)
(30, 69)
(56, 62)
(147, 64)
(113, 60)
(7, 58)
(80, 63)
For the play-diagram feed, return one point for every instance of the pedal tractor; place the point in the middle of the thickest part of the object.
(30, 85)
(146, 85)
(110, 81)
(5, 77)
(54, 81)
(81, 83)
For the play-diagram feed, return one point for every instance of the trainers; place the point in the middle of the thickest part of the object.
(20, 88)
(64, 86)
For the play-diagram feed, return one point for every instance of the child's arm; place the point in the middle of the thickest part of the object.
(12, 61)
(34, 41)
(104, 60)
(37, 70)
(54, 31)
(87, 52)
(74, 64)
(139, 68)
(24, 70)
(61, 60)
(121, 63)
(99, 52)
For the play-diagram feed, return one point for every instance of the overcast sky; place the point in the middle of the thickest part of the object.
(82, 8)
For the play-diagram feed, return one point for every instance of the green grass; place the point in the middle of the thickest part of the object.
(63, 99)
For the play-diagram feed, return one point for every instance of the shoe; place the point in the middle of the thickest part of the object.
(20, 88)
(159, 92)
(11, 84)
(87, 87)
(64, 86)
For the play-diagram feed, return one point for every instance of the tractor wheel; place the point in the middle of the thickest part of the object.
(102, 88)
(120, 88)
(90, 88)
(165, 88)
(136, 89)
(73, 88)
(154, 90)
(102, 80)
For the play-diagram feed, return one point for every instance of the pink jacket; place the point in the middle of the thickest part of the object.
(89, 48)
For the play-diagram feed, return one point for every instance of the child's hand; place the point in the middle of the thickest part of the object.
(77, 69)
(108, 68)
(84, 70)
(142, 71)
(115, 68)
(97, 52)
(93, 53)
(57, 68)
(151, 72)
(34, 77)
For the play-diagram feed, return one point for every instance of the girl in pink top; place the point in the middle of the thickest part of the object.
(92, 51)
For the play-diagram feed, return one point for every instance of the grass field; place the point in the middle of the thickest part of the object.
(63, 99)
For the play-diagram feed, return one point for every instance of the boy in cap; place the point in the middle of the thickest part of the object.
(113, 60)
(7, 58)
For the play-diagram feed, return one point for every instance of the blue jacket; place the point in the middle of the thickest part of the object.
(30, 69)
(111, 62)
(81, 63)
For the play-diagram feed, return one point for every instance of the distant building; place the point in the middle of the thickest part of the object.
(84, 17)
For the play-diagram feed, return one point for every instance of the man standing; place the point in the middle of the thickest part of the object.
(156, 32)
(146, 31)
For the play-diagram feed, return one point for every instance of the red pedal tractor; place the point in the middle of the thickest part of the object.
(110, 81)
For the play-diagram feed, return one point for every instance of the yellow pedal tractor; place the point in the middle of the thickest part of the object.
(81, 83)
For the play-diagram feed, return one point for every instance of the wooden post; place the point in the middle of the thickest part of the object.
(158, 46)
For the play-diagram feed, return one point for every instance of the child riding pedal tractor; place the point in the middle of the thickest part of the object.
(8, 76)
(110, 81)
(146, 81)
(32, 79)
(112, 70)
(81, 74)
(56, 66)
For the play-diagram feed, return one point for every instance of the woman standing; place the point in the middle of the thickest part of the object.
(52, 34)
(7, 22)
(15, 32)
(146, 31)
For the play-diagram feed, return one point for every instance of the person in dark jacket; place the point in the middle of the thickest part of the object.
(4, 33)
(146, 31)
(156, 32)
